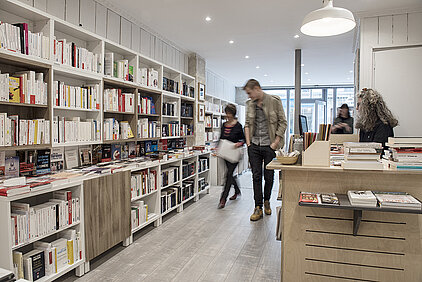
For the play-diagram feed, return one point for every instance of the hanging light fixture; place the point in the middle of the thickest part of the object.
(328, 21)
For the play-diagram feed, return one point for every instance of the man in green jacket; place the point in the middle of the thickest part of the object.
(264, 132)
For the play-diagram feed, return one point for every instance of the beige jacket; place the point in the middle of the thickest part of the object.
(274, 112)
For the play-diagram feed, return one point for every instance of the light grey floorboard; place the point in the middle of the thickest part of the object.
(201, 243)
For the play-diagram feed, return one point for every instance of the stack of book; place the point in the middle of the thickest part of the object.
(85, 97)
(116, 101)
(405, 153)
(146, 105)
(148, 129)
(362, 199)
(139, 213)
(400, 200)
(363, 155)
(75, 130)
(119, 69)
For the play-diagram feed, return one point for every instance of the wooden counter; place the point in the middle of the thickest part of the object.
(318, 243)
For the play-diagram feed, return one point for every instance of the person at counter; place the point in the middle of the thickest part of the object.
(374, 119)
(343, 123)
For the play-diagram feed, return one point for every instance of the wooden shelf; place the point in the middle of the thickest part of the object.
(119, 113)
(191, 118)
(171, 137)
(44, 236)
(204, 190)
(79, 143)
(148, 139)
(119, 82)
(76, 109)
(164, 116)
(20, 59)
(189, 177)
(345, 204)
(148, 115)
(171, 95)
(189, 199)
(76, 73)
(148, 89)
(187, 98)
(170, 210)
(23, 105)
(61, 272)
(149, 221)
(204, 171)
(119, 141)
(26, 147)
(143, 196)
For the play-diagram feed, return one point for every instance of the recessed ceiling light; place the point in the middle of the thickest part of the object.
(246, 57)
(257, 67)
(296, 36)
(208, 19)
(306, 73)
(309, 79)
(265, 74)
(351, 71)
(348, 78)
(302, 65)
(271, 81)
(231, 41)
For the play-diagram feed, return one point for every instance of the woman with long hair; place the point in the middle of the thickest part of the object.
(343, 123)
(232, 131)
(375, 120)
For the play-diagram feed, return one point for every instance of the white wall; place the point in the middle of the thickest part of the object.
(390, 61)
(219, 87)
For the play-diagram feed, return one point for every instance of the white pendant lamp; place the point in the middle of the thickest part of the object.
(328, 21)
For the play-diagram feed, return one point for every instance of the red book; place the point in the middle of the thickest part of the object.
(124, 103)
(65, 196)
(25, 27)
(120, 99)
(306, 197)
(14, 190)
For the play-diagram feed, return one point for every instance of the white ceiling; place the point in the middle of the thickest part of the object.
(262, 29)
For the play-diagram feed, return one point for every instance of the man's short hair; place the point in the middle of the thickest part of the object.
(251, 84)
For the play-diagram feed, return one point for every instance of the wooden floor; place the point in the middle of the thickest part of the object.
(201, 243)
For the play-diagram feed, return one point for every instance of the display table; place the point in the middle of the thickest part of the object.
(318, 244)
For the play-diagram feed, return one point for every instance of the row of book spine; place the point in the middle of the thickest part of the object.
(170, 109)
(170, 197)
(68, 53)
(146, 105)
(169, 175)
(79, 97)
(23, 87)
(119, 69)
(67, 130)
(186, 110)
(21, 132)
(18, 38)
(148, 129)
(48, 258)
(139, 213)
(148, 77)
(170, 129)
(186, 129)
(143, 183)
(203, 164)
(115, 100)
(115, 130)
(29, 222)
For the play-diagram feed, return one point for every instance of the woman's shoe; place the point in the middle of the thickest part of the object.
(222, 204)
(234, 197)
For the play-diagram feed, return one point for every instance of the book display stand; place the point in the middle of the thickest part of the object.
(344, 203)
(317, 154)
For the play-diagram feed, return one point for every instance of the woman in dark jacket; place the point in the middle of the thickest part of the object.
(232, 131)
(343, 123)
(375, 120)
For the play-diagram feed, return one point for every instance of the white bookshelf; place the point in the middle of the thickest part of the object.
(35, 198)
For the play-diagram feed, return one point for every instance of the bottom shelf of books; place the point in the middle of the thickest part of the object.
(359, 201)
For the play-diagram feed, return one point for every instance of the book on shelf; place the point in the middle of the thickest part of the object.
(71, 157)
(85, 155)
(148, 129)
(17, 258)
(34, 265)
(20, 132)
(170, 85)
(146, 105)
(57, 159)
(43, 162)
(50, 256)
(116, 151)
(18, 38)
(308, 197)
(362, 198)
(170, 129)
(11, 167)
(78, 97)
(397, 200)
(72, 130)
(139, 213)
(116, 101)
(409, 141)
(148, 77)
(329, 198)
(62, 254)
(68, 53)
(118, 69)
